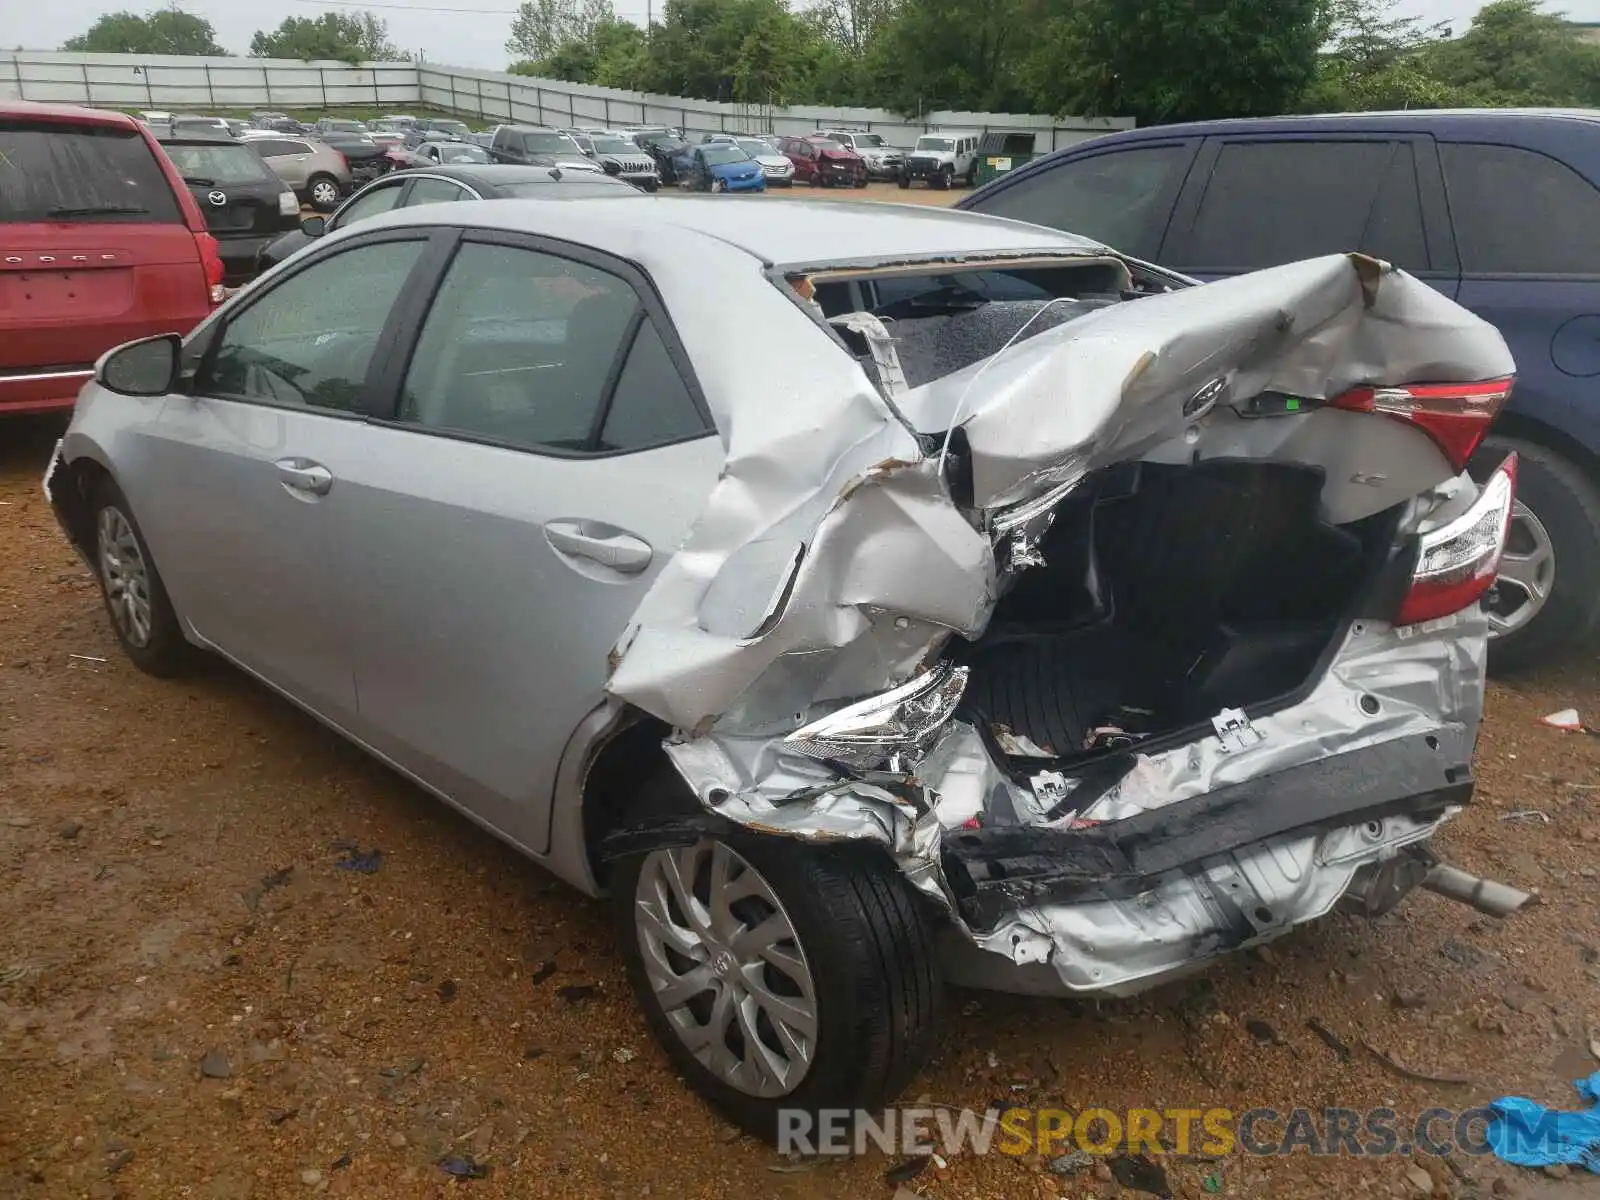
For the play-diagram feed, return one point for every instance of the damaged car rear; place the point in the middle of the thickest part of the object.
(1042, 626)
(1109, 629)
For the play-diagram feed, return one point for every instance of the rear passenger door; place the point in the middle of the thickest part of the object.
(1253, 202)
(548, 452)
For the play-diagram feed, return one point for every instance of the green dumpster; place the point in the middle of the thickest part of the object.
(1002, 152)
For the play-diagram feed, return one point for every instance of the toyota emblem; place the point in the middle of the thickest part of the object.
(217, 198)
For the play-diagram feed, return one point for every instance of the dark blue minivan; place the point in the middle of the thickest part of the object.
(1497, 208)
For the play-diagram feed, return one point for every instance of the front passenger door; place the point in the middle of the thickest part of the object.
(251, 464)
(548, 455)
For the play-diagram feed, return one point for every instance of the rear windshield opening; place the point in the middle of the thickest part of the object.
(208, 165)
(55, 172)
(952, 317)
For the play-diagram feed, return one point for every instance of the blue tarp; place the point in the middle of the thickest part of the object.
(1526, 1134)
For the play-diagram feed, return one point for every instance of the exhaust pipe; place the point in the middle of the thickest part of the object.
(1485, 895)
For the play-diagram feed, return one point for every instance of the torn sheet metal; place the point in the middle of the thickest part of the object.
(830, 512)
(831, 563)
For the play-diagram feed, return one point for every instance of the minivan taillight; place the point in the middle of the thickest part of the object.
(1456, 563)
(1454, 415)
(211, 261)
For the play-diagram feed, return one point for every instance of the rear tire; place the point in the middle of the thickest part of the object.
(323, 191)
(855, 934)
(1554, 547)
(141, 614)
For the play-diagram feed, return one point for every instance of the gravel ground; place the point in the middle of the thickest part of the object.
(197, 1000)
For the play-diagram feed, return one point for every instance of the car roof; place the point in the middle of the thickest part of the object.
(197, 138)
(77, 114)
(493, 174)
(1476, 122)
(836, 232)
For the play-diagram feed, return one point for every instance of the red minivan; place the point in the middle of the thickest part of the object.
(100, 243)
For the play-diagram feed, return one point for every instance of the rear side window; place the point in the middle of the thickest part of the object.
(1274, 202)
(651, 406)
(50, 171)
(1123, 198)
(1518, 212)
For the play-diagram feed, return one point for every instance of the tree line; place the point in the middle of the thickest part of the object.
(1156, 60)
(339, 37)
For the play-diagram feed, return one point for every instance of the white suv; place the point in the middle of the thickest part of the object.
(941, 159)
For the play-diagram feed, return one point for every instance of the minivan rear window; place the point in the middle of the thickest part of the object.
(58, 172)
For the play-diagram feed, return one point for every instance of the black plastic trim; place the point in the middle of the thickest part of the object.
(996, 871)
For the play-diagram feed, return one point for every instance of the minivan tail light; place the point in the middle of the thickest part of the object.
(211, 260)
(1456, 563)
(1454, 415)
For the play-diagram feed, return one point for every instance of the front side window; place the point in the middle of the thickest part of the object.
(1320, 196)
(522, 347)
(309, 340)
(369, 204)
(435, 191)
(1517, 212)
(1122, 198)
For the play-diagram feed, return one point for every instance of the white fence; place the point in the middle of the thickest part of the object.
(523, 99)
(175, 82)
(164, 81)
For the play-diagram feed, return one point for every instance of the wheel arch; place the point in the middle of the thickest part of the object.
(70, 496)
(1531, 429)
(617, 765)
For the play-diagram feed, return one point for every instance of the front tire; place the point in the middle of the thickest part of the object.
(324, 192)
(778, 974)
(942, 180)
(904, 181)
(142, 617)
(1547, 597)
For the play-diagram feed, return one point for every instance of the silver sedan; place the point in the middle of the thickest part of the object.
(1050, 642)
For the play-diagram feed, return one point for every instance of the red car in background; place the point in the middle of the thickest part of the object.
(100, 243)
(823, 162)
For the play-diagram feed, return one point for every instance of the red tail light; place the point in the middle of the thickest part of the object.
(1454, 415)
(211, 260)
(343, 158)
(1457, 562)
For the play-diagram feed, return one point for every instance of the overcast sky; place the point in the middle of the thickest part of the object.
(473, 35)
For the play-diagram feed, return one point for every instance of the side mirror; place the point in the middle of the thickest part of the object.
(314, 227)
(148, 367)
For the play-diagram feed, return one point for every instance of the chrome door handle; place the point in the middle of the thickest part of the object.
(303, 475)
(614, 548)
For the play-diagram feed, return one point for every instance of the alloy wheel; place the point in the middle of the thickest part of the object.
(726, 966)
(1526, 575)
(125, 575)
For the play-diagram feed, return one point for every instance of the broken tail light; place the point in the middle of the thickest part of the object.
(880, 729)
(1455, 415)
(1456, 563)
(211, 261)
